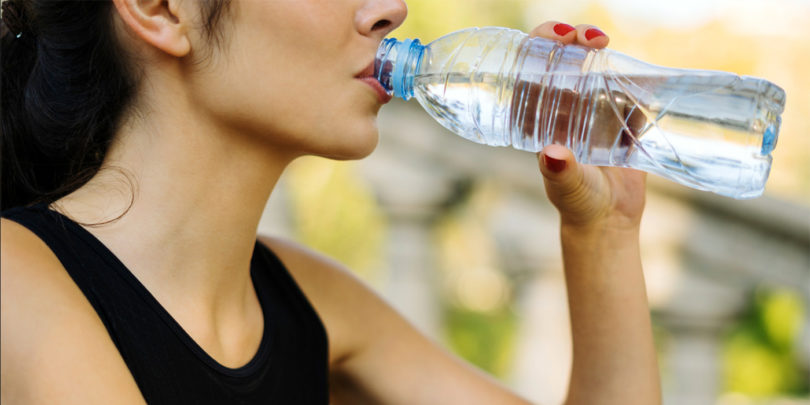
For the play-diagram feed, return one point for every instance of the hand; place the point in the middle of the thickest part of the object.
(588, 197)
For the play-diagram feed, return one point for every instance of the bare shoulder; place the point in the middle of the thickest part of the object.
(53, 344)
(377, 356)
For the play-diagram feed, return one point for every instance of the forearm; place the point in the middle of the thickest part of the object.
(614, 360)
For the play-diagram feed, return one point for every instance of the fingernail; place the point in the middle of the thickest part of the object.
(561, 29)
(555, 165)
(592, 33)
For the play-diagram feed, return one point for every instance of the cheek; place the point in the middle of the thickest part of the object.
(288, 113)
(282, 82)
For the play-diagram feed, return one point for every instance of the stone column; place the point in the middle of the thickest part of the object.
(412, 194)
(528, 231)
(541, 371)
(697, 316)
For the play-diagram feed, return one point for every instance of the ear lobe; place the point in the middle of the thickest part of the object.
(160, 23)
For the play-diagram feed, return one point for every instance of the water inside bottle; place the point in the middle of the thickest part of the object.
(708, 131)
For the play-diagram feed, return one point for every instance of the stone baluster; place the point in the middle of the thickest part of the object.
(412, 194)
(696, 317)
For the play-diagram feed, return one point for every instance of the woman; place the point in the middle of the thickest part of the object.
(192, 110)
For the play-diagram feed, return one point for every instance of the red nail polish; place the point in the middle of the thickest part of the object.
(555, 165)
(592, 33)
(561, 29)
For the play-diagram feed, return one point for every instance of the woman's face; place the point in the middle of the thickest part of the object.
(289, 71)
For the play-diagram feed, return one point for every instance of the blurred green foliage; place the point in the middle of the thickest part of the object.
(486, 339)
(760, 355)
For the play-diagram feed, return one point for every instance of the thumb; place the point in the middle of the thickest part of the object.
(568, 186)
(561, 171)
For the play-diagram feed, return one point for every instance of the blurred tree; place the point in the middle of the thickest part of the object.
(485, 339)
(760, 359)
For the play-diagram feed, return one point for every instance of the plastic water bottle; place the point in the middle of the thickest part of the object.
(708, 130)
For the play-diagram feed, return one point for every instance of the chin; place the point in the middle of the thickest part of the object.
(355, 147)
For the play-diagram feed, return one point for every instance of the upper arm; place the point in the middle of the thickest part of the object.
(55, 349)
(375, 353)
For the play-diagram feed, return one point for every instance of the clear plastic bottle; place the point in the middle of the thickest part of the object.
(708, 130)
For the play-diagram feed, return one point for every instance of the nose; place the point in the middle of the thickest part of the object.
(377, 18)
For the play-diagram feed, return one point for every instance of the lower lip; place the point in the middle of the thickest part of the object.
(382, 95)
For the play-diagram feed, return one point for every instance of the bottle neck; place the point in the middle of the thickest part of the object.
(397, 64)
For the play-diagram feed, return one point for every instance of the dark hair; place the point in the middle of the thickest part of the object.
(65, 88)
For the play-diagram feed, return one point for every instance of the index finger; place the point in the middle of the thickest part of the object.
(590, 36)
(555, 30)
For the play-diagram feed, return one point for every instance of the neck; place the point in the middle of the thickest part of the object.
(192, 209)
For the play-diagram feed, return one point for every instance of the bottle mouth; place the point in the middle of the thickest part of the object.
(383, 65)
(396, 64)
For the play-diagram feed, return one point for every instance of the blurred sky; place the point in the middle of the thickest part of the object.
(759, 17)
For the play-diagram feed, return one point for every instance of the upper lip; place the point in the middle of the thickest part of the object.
(367, 72)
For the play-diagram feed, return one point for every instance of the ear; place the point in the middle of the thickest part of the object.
(161, 23)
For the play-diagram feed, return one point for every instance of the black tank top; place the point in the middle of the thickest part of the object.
(290, 366)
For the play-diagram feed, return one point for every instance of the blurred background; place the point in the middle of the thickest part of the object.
(461, 239)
